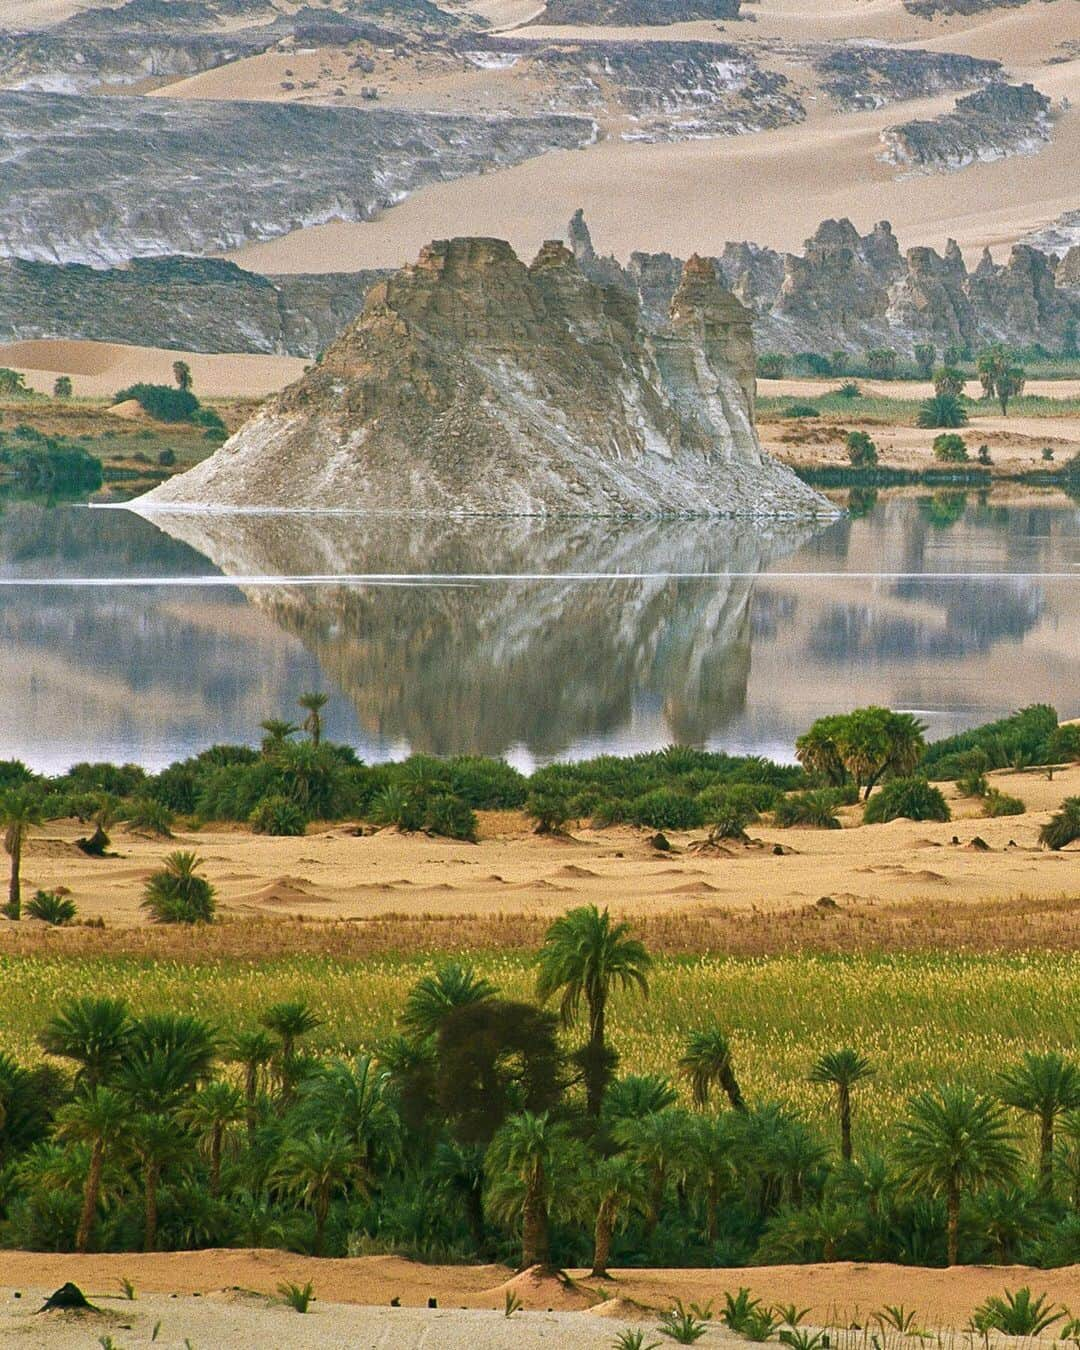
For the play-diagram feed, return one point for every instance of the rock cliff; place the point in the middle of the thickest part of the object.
(472, 384)
(992, 123)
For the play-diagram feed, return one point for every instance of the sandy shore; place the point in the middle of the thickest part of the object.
(333, 873)
(229, 1298)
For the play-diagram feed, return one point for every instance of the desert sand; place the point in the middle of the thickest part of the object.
(99, 369)
(335, 873)
(230, 1298)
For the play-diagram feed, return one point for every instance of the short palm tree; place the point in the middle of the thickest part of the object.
(94, 1032)
(707, 1063)
(354, 1100)
(521, 1165)
(953, 1142)
(452, 985)
(313, 704)
(584, 957)
(253, 1050)
(156, 1141)
(289, 1021)
(99, 1118)
(842, 1069)
(210, 1113)
(278, 732)
(713, 1147)
(20, 809)
(659, 1144)
(1063, 828)
(1045, 1086)
(616, 1188)
(316, 1167)
(177, 894)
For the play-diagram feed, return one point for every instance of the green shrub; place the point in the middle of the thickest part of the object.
(751, 796)
(983, 455)
(209, 420)
(161, 401)
(486, 784)
(177, 894)
(667, 809)
(950, 448)
(51, 907)
(949, 381)
(278, 815)
(815, 808)
(849, 389)
(881, 362)
(861, 450)
(972, 785)
(771, 365)
(925, 355)
(449, 816)
(1001, 804)
(906, 798)
(1063, 828)
(800, 410)
(167, 459)
(729, 819)
(147, 814)
(943, 410)
(1027, 735)
(1016, 1314)
(1064, 744)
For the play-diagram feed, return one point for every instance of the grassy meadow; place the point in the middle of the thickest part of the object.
(921, 1018)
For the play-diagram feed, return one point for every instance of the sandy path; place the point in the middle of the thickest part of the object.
(333, 874)
(99, 369)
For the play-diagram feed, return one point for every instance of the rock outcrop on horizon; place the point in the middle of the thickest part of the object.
(475, 385)
(992, 123)
(850, 292)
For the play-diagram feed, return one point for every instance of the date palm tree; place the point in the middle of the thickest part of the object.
(253, 1050)
(210, 1113)
(616, 1188)
(452, 985)
(20, 809)
(707, 1063)
(94, 1032)
(278, 732)
(584, 957)
(156, 1140)
(313, 704)
(289, 1021)
(842, 1069)
(659, 1144)
(953, 1142)
(353, 1099)
(1045, 1086)
(177, 893)
(521, 1165)
(316, 1167)
(99, 1118)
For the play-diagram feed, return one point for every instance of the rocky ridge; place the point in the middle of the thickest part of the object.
(850, 292)
(474, 385)
(992, 123)
(261, 169)
(636, 11)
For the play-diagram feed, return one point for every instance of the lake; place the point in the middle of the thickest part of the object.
(127, 639)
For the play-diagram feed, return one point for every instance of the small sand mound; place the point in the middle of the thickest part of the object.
(283, 891)
(692, 888)
(928, 876)
(573, 870)
(131, 410)
(621, 1309)
(541, 1290)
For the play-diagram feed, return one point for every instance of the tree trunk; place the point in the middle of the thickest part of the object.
(656, 1200)
(535, 1249)
(474, 1216)
(251, 1091)
(953, 1230)
(596, 1069)
(14, 904)
(845, 1122)
(90, 1196)
(153, 1173)
(322, 1208)
(215, 1159)
(730, 1084)
(1046, 1155)
(605, 1224)
(712, 1206)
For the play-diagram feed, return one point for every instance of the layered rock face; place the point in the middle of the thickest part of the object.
(636, 11)
(848, 291)
(993, 123)
(192, 304)
(473, 384)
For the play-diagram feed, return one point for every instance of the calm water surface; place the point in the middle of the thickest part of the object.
(126, 639)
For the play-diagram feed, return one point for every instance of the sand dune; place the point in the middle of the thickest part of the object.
(99, 369)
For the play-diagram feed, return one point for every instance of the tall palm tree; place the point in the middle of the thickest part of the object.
(289, 1021)
(452, 985)
(1044, 1086)
(313, 704)
(168, 1054)
(521, 1166)
(156, 1140)
(94, 1032)
(209, 1114)
(616, 1187)
(659, 1144)
(253, 1050)
(278, 731)
(99, 1118)
(954, 1141)
(20, 809)
(707, 1063)
(584, 957)
(842, 1069)
(316, 1167)
(458, 1171)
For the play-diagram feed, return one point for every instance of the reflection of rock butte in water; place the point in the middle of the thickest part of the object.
(493, 664)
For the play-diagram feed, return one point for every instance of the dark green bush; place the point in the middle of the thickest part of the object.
(906, 798)
(51, 908)
(278, 815)
(943, 410)
(449, 816)
(950, 448)
(800, 410)
(486, 784)
(815, 808)
(1025, 736)
(163, 402)
(1001, 804)
(667, 809)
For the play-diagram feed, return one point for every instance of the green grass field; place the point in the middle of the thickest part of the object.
(921, 1019)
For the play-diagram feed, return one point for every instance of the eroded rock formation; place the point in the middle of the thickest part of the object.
(992, 123)
(472, 384)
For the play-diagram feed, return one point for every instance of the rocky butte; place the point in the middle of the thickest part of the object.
(472, 384)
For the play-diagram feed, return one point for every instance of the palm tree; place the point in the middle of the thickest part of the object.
(95, 1032)
(290, 1021)
(712, 1144)
(210, 1113)
(432, 997)
(20, 808)
(182, 374)
(659, 1144)
(156, 1141)
(353, 1100)
(313, 704)
(616, 1187)
(278, 732)
(458, 1170)
(953, 1141)
(842, 1069)
(636, 1094)
(707, 1062)
(177, 894)
(253, 1050)
(168, 1054)
(315, 1167)
(521, 1165)
(585, 956)
(1044, 1086)
(99, 1118)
